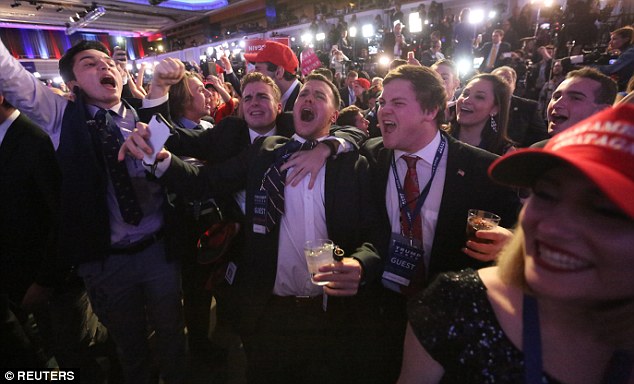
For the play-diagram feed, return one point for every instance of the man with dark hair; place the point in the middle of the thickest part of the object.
(525, 126)
(583, 93)
(113, 218)
(280, 63)
(347, 92)
(353, 116)
(285, 320)
(445, 178)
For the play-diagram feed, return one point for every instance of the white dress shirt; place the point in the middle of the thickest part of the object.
(304, 219)
(431, 207)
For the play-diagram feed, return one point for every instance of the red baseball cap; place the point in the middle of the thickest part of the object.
(364, 83)
(276, 53)
(601, 147)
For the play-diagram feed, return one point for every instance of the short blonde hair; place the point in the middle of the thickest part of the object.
(510, 262)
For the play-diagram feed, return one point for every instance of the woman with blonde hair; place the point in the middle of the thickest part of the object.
(559, 307)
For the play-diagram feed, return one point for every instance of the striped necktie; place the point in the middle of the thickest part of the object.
(275, 180)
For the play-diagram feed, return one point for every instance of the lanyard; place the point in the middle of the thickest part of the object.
(413, 215)
(618, 370)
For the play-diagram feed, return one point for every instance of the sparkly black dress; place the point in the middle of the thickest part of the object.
(455, 322)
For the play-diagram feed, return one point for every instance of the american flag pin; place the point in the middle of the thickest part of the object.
(460, 172)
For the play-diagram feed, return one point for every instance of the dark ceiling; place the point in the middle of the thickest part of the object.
(121, 15)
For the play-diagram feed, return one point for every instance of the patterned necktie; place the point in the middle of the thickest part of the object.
(126, 197)
(412, 193)
(275, 180)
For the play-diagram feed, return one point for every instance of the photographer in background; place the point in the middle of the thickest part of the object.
(619, 56)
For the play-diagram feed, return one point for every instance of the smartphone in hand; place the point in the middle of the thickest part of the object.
(159, 132)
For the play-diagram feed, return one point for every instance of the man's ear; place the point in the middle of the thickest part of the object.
(279, 108)
(333, 118)
(279, 72)
(71, 85)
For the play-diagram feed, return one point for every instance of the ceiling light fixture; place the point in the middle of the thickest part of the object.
(38, 7)
(60, 9)
(16, 3)
(84, 18)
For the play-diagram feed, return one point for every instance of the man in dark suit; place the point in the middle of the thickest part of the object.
(280, 309)
(495, 53)
(29, 197)
(525, 126)
(347, 92)
(452, 179)
(35, 277)
(280, 63)
(114, 236)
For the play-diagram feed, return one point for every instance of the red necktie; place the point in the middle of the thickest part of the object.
(412, 193)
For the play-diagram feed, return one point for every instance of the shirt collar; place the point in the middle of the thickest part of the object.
(4, 127)
(427, 153)
(254, 134)
(119, 109)
(302, 140)
(288, 92)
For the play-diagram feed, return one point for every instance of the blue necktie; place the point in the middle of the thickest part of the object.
(125, 194)
(275, 180)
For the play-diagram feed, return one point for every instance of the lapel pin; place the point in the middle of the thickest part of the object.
(460, 172)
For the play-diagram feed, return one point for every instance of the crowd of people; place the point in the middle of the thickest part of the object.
(132, 241)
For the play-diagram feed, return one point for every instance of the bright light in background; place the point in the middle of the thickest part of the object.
(476, 16)
(119, 39)
(352, 31)
(203, 57)
(225, 44)
(156, 63)
(37, 75)
(384, 61)
(138, 65)
(426, 21)
(415, 23)
(58, 80)
(242, 44)
(548, 3)
(307, 38)
(367, 30)
(210, 51)
(237, 51)
(128, 67)
(464, 66)
(160, 48)
(492, 14)
(320, 36)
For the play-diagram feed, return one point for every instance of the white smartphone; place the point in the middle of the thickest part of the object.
(159, 132)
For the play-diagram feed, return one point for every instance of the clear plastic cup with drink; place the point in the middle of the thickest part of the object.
(318, 252)
(477, 220)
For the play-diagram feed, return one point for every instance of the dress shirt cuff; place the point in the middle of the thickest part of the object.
(151, 103)
(344, 146)
(158, 169)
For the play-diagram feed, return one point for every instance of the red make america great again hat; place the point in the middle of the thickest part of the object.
(276, 53)
(601, 147)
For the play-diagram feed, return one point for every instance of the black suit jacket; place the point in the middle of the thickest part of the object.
(499, 60)
(345, 96)
(350, 215)
(466, 186)
(29, 203)
(525, 125)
